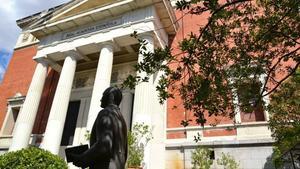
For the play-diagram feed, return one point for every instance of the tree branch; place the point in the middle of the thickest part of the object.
(276, 24)
(282, 80)
(272, 69)
(294, 40)
(215, 12)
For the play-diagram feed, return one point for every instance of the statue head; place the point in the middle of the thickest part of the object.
(111, 95)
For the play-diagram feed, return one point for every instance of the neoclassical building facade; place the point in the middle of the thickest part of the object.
(68, 55)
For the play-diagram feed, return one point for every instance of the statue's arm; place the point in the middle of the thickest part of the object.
(103, 146)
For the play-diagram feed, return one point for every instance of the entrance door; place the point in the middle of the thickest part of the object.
(70, 123)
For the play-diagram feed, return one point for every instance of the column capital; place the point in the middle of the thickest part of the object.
(42, 61)
(110, 45)
(74, 54)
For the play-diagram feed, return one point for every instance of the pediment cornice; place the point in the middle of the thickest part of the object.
(82, 12)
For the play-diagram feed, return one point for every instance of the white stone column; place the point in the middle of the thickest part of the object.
(26, 118)
(126, 107)
(143, 100)
(143, 91)
(102, 81)
(58, 112)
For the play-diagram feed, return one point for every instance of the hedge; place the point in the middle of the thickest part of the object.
(31, 158)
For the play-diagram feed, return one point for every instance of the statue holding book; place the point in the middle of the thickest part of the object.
(108, 142)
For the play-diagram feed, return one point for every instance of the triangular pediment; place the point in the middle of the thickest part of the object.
(79, 13)
(78, 7)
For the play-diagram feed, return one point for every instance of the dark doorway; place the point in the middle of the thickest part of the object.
(70, 123)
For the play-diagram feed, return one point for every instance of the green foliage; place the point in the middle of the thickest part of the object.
(138, 139)
(285, 116)
(248, 92)
(242, 40)
(201, 158)
(284, 113)
(277, 157)
(228, 162)
(31, 158)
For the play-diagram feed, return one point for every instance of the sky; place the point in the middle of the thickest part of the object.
(10, 11)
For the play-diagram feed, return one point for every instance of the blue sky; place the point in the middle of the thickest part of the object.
(4, 58)
(9, 31)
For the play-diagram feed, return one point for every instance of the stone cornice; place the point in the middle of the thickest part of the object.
(62, 18)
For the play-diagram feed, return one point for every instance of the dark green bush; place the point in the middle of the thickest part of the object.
(31, 158)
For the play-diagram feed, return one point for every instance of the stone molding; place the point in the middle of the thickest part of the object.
(127, 19)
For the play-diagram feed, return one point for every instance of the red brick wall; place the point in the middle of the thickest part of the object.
(189, 24)
(219, 132)
(176, 135)
(17, 77)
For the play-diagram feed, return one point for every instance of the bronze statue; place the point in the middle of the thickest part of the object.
(108, 142)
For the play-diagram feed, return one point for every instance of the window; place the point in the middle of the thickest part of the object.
(212, 155)
(251, 106)
(13, 109)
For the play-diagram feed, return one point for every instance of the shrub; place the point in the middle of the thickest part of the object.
(228, 162)
(201, 158)
(137, 140)
(31, 158)
(277, 158)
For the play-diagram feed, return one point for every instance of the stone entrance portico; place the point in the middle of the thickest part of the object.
(88, 41)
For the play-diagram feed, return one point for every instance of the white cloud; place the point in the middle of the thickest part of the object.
(12, 10)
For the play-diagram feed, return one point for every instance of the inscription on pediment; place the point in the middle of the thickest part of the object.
(109, 23)
(93, 28)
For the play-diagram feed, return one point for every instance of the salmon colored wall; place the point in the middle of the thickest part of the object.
(17, 77)
(219, 132)
(189, 24)
(176, 135)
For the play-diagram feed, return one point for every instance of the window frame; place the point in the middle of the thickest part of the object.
(236, 101)
(12, 103)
